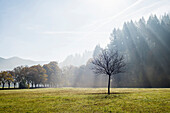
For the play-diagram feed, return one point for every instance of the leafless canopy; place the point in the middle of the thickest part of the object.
(108, 63)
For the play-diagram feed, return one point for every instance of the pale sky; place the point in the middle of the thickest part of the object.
(53, 29)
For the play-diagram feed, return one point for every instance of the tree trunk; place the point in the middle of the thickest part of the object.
(28, 85)
(109, 85)
(32, 85)
(3, 84)
(14, 85)
(8, 85)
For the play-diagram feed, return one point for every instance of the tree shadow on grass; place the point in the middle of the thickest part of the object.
(113, 93)
(9, 88)
(106, 96)
(22, 88)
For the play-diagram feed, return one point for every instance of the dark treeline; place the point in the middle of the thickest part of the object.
(47, 75)
(144, 44)
(146, 47)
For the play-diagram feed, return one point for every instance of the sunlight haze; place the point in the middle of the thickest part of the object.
(49, 30)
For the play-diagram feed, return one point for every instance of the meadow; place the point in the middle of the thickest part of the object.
(85, 100)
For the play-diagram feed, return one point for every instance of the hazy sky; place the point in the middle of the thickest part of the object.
(53, 29)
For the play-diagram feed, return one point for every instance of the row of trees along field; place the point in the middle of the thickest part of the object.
(46, 75)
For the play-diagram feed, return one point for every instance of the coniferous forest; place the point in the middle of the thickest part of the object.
(146, 46)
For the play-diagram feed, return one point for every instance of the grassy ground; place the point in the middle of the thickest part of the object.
(85, 100)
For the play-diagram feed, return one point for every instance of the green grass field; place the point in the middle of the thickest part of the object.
(85, 100)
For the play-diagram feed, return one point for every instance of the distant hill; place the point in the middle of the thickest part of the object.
(11, 63)
(77, 60)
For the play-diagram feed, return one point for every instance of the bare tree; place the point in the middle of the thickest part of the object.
(108, 63)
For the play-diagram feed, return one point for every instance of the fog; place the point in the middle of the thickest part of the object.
(65, 36)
